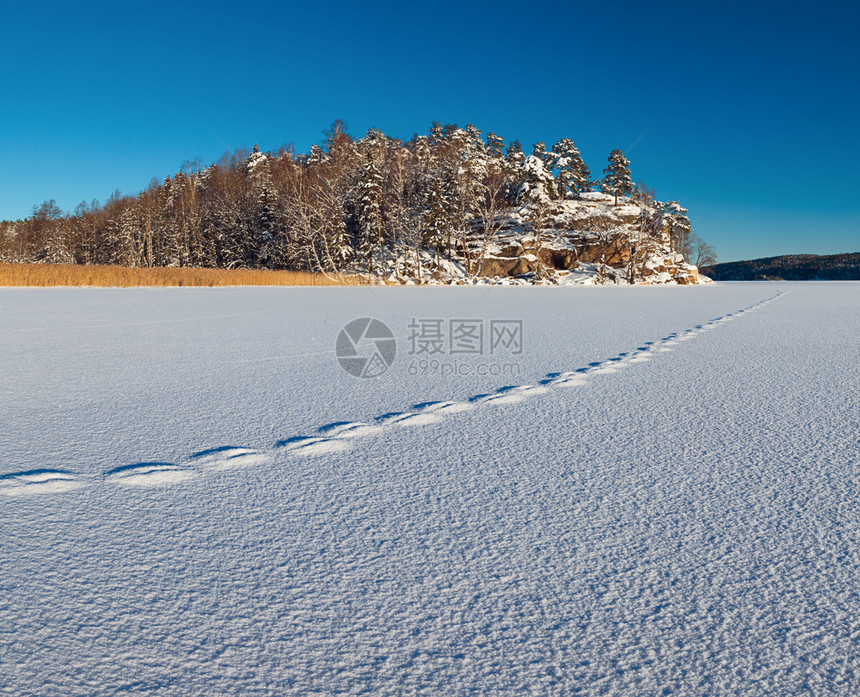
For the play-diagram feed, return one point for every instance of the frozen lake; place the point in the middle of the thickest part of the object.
(549, 491)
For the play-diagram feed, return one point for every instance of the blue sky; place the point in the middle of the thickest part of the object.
(747, 113)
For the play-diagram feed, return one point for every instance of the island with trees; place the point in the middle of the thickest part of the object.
(451, 206)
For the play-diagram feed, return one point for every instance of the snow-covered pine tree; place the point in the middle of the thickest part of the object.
(172, 248)
(371, 225)
(374, 146)
(437, 222)
(341, 245)
(422, 154)
(255, 236)
(616, 176)
(256, 166)
(317, 155)
(515, 154)
(436, 134)
(538, 184)
(471, 173)
(266, 228)
(539, 150)
(573, 174)
(474, 142)
(514, 166)
(495, 147)
(680, 228)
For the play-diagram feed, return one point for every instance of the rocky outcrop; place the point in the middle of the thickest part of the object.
(584, 241)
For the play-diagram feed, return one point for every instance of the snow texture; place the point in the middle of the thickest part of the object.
(195, 499)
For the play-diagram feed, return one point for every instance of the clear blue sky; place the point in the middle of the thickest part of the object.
(747, 113)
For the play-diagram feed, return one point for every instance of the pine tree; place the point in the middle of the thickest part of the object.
(437, 219)
(495, 147)
(371, 225)
(616, 176)
(538, 184)
(256, 165)
(516, 175)
(266, 227)
(317, 155)
(573, 174)
(680, 228)
(474, 142)
(515, 154)
(539, 150)
(436, 134)
(469, 185)
(374, 145)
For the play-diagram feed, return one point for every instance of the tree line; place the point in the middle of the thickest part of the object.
(792, 267)
(348, 204)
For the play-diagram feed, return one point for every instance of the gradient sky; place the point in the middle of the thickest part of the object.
(746, 113)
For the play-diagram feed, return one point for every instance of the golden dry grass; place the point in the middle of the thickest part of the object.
(125, 277)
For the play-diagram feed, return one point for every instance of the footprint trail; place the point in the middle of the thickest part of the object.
(43, 481)
(342, 436)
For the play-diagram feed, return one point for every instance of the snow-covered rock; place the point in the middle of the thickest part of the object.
(601, 242)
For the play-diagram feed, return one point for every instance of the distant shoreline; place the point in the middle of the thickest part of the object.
(790, 267)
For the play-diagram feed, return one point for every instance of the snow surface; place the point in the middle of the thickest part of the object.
(195, 499)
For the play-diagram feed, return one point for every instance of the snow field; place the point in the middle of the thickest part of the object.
(338, 437)
(688, 523)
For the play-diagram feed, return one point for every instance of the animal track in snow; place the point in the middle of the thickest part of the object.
(567, 380)
(43, 481)
(340, 436)
(149, 474)
(314, 446)
(508, 397)
(512, 394)
(444, 407)
(228, 458)
(605, 369)
(349, 430)
(409, 418)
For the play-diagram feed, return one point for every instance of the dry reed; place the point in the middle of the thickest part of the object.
(125, 277)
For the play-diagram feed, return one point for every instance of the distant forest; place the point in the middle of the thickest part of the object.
(348, 204)
(794, 267)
